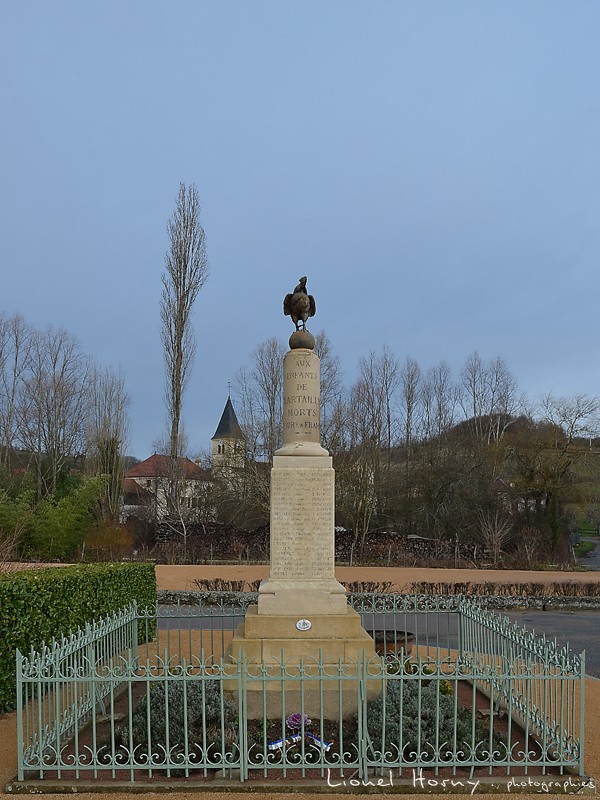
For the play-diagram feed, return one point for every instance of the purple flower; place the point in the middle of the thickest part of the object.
(294, 721)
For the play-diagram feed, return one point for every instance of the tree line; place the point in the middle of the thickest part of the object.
(456, 458)
(63, 418)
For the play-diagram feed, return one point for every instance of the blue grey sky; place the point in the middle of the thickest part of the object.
(433, 167)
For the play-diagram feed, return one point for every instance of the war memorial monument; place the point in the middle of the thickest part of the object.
(302, 613)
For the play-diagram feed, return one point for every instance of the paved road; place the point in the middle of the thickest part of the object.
(591, 559)
(580, 629)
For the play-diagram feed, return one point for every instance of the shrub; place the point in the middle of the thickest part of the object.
(107, 542)
(568, 588)
(37, 605)
(405, 721)
(369, 587)
(208, 585)
(203, 701)
(57, 524)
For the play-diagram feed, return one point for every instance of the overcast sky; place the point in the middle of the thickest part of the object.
(433, 167)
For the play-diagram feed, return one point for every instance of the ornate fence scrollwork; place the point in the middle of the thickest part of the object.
(457, 687)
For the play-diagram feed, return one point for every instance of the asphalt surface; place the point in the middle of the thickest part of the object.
(579, 629)
(591, 559)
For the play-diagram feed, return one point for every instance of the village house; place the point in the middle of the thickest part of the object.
(146, 485)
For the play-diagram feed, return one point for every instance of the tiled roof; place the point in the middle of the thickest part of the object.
(132, 489)
(157, 466)
(228, 427)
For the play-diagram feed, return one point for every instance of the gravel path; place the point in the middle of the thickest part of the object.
(183, 577)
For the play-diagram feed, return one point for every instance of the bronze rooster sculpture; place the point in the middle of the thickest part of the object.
(299, 305)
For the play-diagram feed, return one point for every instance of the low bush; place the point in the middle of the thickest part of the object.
(203, 702)
(409, 721)
(507, 589)
(369, 587)
(222, 585)
(40, 604)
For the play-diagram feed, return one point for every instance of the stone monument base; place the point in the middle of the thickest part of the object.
(331, 640)
(279, 598)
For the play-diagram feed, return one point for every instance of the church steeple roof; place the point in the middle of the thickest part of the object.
(228, 427)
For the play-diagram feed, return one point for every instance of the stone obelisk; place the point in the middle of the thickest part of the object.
(302, 575)
(302, 610)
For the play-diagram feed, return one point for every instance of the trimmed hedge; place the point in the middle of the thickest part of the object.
(40, 604)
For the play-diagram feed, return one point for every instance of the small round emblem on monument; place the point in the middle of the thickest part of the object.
(304, 624)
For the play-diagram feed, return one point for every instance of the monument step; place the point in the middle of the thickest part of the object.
(296, 627)
(311, 652)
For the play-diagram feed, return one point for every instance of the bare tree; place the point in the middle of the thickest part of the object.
(15, 337)
(52, 405)
(505, 403)
(107, 433)
(259, 396)
(410, 404)
(8, 551)
(573, 417)
(247, 407)
(439, 398)
(186, 273)
(488, 397)
(474, 395)
(364, 470)
(359, 481)
(410, 391)
(331, 389)
(379, 381)
(267, 376)
(494, 531)
(568, 424)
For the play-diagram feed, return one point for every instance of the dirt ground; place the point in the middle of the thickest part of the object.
(183, 577)
(8, 760)
(176, 577)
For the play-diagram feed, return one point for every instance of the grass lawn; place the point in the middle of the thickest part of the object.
(584, 546)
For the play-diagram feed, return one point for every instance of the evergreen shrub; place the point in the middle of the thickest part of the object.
(404, 716)
(152, 712)
(40, 604)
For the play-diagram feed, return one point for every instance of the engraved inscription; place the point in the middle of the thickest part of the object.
(302, 518)
(301, 399)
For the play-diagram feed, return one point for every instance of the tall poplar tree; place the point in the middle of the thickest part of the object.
(186, 273)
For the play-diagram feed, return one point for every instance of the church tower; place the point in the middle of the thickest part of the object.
(228, 443)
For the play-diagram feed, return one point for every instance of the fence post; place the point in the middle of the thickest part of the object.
(582, 713)
(243, 710)
(20, 738)
(362, 711)
(58, 711)
(460, 631)
(95, 692)
(134, 636)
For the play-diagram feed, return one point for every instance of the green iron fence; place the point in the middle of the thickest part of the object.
(454, 690)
